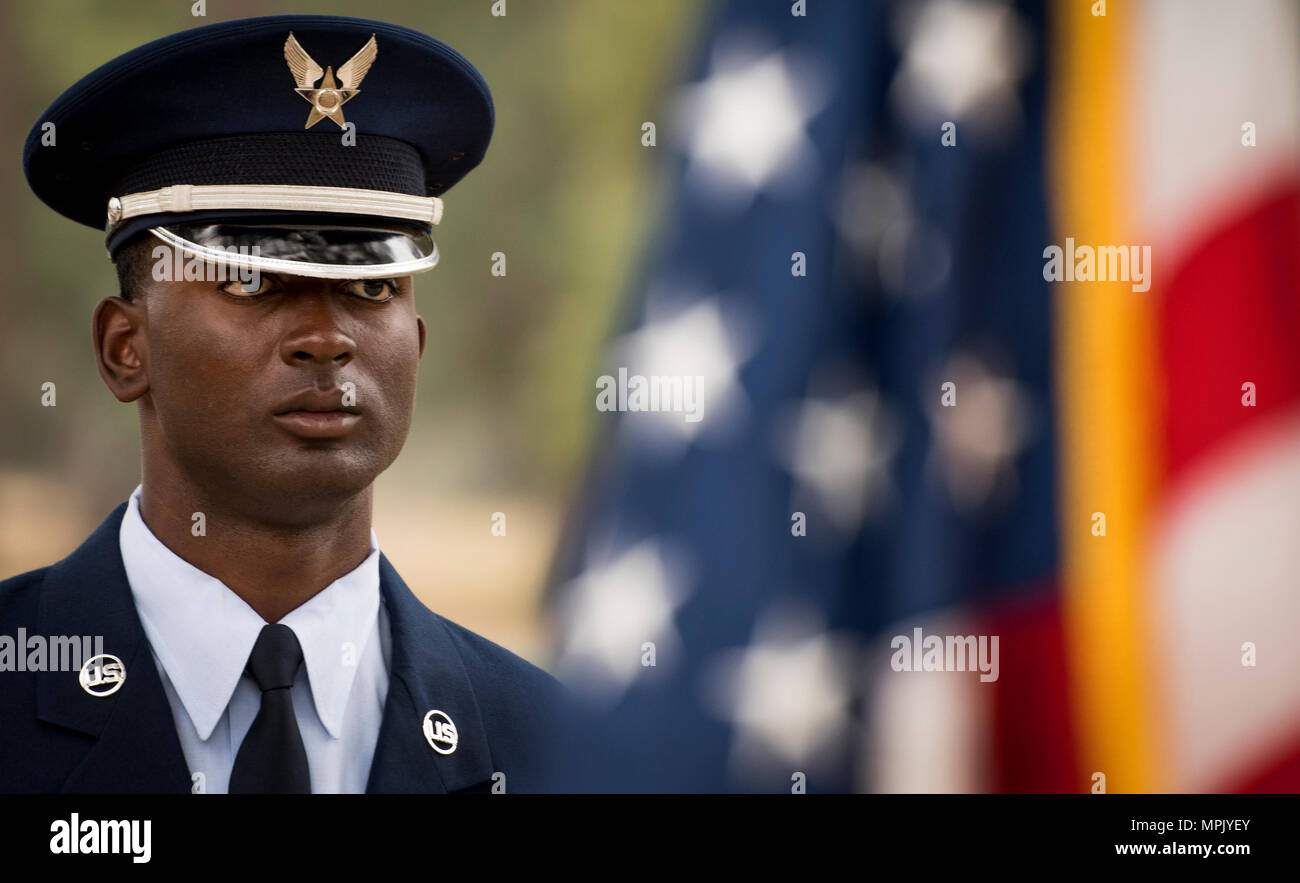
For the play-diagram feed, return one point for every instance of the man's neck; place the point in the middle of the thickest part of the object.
(273, 568)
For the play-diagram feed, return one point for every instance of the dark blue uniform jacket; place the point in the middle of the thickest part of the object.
(56, 737)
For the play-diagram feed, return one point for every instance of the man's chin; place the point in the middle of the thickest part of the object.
(304, 496)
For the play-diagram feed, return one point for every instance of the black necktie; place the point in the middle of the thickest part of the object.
(272, 759)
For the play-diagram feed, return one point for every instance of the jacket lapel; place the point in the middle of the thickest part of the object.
(136, 748)
(427, 674)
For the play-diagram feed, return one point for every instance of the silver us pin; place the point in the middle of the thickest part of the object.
(440, 732)
(102, 675)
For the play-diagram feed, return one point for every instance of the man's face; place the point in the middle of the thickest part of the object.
(232, 374)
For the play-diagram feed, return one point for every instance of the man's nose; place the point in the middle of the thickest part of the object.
(315, 334)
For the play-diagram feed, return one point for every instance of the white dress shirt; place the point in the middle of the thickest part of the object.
(202, 633)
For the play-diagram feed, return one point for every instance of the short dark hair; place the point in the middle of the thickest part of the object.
(132, 262)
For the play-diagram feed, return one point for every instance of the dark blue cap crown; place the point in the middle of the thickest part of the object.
(220, 105)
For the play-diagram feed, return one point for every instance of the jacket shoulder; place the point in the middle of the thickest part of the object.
(22, 581)
(19, 596)
(495, 670)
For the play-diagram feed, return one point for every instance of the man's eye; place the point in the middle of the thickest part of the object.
(371, 289)
(258, 284)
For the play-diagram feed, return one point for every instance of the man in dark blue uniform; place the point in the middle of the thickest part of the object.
(269, 187)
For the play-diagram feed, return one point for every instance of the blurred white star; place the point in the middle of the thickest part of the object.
(611, 610)
(962, 61)
(700, 344)
(978, 439)
(839, 451)
(786, 694)
(745, 126)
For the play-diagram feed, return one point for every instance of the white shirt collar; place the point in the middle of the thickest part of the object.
(202, 632)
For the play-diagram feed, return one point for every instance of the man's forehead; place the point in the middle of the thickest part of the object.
(308, 145)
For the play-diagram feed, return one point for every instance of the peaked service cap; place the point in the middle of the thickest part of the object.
(235, 135)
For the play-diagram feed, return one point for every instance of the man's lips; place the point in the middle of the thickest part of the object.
(315, 413)
(318, 424)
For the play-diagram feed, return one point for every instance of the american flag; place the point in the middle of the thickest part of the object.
(905, 425)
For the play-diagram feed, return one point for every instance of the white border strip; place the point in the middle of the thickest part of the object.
(280, 197)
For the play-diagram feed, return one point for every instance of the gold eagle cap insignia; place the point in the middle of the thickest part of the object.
(329, 98)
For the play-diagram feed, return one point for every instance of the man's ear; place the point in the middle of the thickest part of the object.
(420, 323)
(121, 347)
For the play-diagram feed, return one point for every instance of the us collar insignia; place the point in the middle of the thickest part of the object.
(440, 732)
(102, 675)
(328, 100)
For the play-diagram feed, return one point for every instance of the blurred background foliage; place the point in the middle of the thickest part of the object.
(504, 416)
